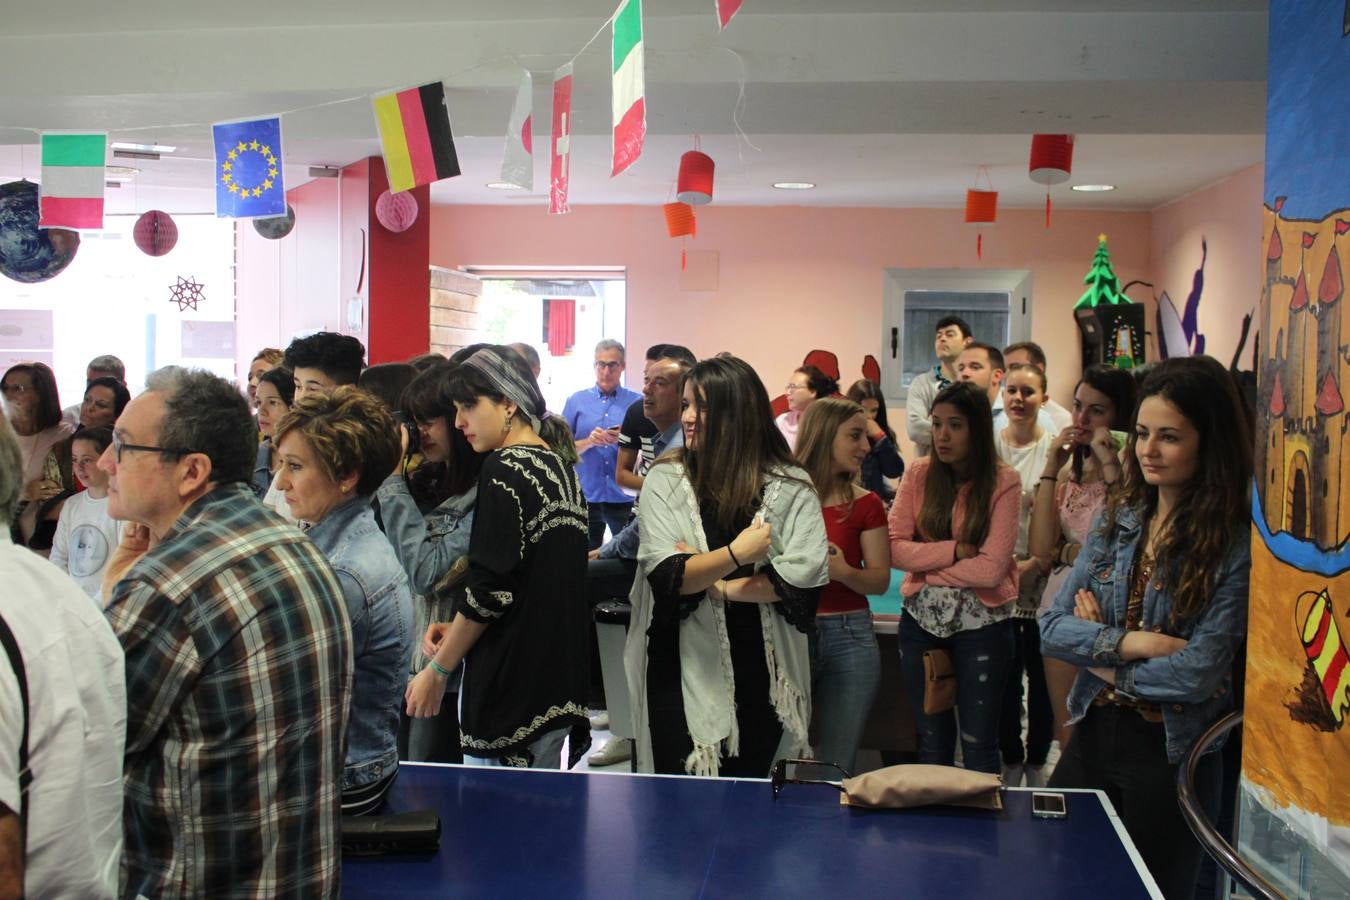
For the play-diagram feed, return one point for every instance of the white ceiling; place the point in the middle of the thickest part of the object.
(880, 102)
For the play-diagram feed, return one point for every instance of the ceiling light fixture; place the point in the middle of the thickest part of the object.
(324, 171)
(142, 148)
(134, 154)
(1093, 188)
(794, 185)
(504, 186)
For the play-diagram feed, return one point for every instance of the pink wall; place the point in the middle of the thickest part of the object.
(795, 278)
(1228, 216)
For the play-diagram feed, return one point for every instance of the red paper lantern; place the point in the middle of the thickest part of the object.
(981, 207)
(679, 219)
(1051, 162)
(155, 233)
(981, 210)
(695, 184)
(1051, 158)
(397, 212)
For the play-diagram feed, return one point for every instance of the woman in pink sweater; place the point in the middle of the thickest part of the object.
(952, 530)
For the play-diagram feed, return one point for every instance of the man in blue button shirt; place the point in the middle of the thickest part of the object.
(594, 415)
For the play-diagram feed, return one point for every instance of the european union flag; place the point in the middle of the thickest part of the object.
(248, 169)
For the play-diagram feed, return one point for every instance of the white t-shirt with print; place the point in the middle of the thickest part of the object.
(84, 541)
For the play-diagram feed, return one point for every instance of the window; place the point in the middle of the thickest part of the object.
(996, 303)
(115, 299)
(562, 317)
(985, 313)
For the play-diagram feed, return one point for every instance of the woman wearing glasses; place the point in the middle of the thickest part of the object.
(806, 385)
(34, 409)
(730, 570)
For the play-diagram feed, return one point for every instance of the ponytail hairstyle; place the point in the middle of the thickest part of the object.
(815, 448)
(501, 374)
(820, 384)
(940, 490)
(1213, 512)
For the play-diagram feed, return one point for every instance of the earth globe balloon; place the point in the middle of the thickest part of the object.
(29, 254)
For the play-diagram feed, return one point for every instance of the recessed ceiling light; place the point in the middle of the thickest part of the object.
(794, 185)
(112, 171)
(504, 186)
(143, 148)
(1094, 188)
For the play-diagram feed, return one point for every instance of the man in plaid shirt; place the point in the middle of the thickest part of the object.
(238, 659)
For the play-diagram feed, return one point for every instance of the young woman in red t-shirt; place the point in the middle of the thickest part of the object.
(845, 662)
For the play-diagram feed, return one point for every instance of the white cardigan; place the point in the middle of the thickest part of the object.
(669, 514)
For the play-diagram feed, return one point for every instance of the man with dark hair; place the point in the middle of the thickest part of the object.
(637, 431)
(595, 415)
(323, 361)
(238, 661)
(1029, 353)
(983, 365)
(950, 337)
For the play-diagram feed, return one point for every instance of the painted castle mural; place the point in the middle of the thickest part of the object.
(1294, 808)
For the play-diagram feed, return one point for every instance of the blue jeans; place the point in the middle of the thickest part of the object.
(845, 673)
(981, 659)
(599, 515)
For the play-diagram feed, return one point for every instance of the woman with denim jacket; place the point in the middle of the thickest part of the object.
(427, 516)
(334, 451)
(1156, 611)
(952, 529)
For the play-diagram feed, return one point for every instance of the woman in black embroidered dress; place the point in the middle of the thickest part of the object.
(523, 625)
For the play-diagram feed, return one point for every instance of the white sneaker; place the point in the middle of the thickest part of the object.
(616, 750)
(600, 721)
(1012, 776)
(1035, 776)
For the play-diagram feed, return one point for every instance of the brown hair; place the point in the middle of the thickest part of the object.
(738, 443)
(48, 412)
(815, 447)
(1212, 514)
(939, 494)
(349, 431)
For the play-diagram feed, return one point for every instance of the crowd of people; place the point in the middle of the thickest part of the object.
(257, 602)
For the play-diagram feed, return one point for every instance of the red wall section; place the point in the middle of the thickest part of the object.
(399, 278)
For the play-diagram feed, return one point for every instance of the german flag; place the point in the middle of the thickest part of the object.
(415, 136)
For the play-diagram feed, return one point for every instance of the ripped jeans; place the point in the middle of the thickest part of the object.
(981, 658)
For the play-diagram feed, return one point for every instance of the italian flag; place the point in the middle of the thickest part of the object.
(72, 180)
(629, 105)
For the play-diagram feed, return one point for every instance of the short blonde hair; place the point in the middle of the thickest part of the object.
(271, 355)
(349, 431)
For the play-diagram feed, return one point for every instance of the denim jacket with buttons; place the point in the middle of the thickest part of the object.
(379, 605)
(427, 545)
(1193, 687)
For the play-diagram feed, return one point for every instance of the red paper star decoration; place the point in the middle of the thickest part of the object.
(186, 293)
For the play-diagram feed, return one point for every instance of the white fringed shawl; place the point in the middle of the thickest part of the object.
(668, 515)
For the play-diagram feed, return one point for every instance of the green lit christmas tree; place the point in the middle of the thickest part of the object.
(1103, 286)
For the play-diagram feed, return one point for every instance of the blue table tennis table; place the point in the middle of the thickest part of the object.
(532, 833)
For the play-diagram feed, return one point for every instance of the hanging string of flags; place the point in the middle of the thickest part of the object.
(416, 139)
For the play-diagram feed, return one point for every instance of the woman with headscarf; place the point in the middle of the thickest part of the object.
(522, 628)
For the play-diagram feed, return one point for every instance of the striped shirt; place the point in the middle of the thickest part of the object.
(239, 676)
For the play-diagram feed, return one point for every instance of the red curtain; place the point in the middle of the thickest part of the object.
(562, 326)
